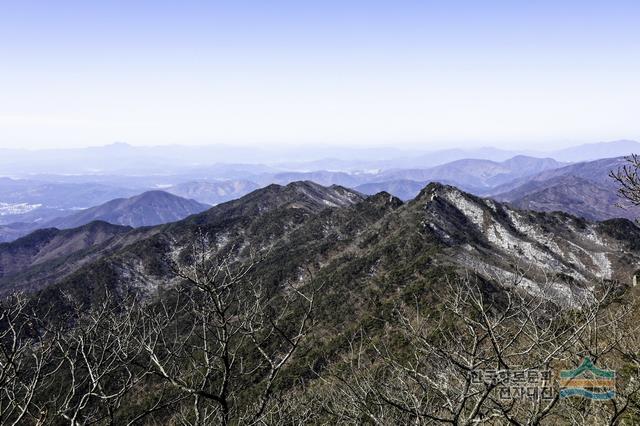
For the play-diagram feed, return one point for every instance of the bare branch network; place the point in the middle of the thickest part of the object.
(221, 348)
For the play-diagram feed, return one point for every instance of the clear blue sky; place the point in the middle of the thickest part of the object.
(76, 73)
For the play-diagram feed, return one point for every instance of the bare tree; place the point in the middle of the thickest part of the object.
(628, 180)
(95, 362)
(426, 371)
(221, 340)
(25, 361)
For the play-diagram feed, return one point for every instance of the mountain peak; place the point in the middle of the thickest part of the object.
(146, 209)
(473, 226)
(300, 195)
(121, 145)
(433, 189)
(546, 162)
(384, 199)
(153, 195)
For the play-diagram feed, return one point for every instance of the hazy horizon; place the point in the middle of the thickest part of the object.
(403, 74)
(534, 148)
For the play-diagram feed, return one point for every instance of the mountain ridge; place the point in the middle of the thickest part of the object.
(307, 226)
(584, 189)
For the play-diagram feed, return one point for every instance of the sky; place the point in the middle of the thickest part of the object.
(347, 73)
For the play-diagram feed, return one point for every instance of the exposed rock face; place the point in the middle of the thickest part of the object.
(556, 249)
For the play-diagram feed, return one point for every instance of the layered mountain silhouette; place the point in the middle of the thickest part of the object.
(477, 175)
(595, 151)
(213, 192)
(473, 175)
(345, 238)
(202, 161)
(147, 209)
(59, 195)
(583, 189)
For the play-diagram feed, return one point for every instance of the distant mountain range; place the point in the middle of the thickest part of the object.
(205, 162)
(477, 176)
(417, 159)
(528, 182)
(213, 192)
(571, 194)
(595, 151)
(544, 184)
(52, 199)
(583, 189)
(147, 209)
